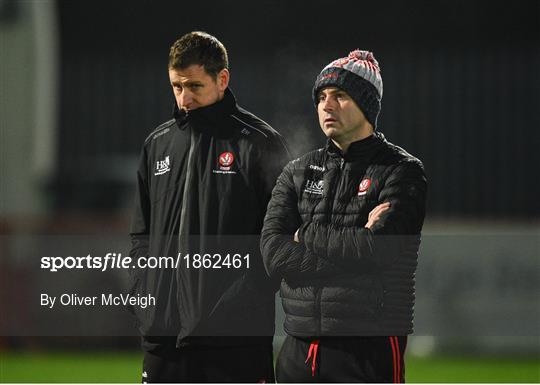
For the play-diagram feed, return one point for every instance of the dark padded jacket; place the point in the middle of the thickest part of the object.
(342, 278)
(204, 182)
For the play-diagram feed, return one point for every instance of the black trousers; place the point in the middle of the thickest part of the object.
(342, 359)
(193, 363)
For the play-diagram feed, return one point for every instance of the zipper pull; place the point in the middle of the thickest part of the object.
(342, 163)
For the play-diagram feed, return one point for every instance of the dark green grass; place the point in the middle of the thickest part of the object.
(472, 369)
(70, 367)
(126, 367)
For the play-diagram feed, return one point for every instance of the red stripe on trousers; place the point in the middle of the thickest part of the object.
(398, 352)
(393, 358)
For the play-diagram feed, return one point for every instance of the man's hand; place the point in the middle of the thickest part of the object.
(375, 214)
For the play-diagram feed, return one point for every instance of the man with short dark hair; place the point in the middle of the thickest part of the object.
(204, 181)
(342, 231)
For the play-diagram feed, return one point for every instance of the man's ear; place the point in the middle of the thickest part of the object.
(223, 79)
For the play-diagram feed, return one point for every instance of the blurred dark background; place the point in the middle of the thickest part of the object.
(460, 84)
(460, 89)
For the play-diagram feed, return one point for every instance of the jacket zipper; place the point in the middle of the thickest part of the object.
(182, 228)
(340, 182)
(318, 293)
(183, 235)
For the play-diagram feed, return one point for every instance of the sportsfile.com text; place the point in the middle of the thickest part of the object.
(117, 261)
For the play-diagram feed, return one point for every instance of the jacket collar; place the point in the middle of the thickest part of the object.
(213, 112)
(361, 150)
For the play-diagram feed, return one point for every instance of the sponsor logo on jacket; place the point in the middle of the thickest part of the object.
(225, 162)
(316, 168)
(363, 187)
(313, 187)
(163, 166)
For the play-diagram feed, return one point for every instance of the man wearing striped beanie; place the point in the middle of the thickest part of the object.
(342, 232)
(357, 74)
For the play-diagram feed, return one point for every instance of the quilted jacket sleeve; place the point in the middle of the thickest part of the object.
(350, 247)
(283, 257)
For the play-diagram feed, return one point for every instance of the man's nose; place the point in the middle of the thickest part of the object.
(328, 104)
(186, 99)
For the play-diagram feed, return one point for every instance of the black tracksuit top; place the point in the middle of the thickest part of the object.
(204, 181)
(342, 278)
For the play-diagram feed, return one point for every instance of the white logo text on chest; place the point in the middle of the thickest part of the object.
(163, 166)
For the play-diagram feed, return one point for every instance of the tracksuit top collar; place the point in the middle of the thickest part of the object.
(361, 150)
(213, 112)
